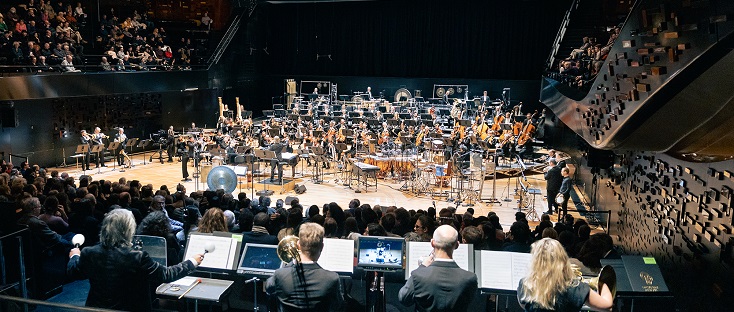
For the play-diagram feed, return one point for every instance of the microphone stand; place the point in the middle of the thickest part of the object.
(254, 292)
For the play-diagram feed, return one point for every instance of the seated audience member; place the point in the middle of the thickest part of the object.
(374, 229)
(519, 235)
(213, 220)
(259, 233)
(388, 223)
(315, 289)
(54, 215)
(351, 230)
(68, 66)
(550, 284)
(44, 239)
(156, 224)
(472, 235)
(588, 259)
(330, 228)
(119, 274)
(438, 284)
(421, 230)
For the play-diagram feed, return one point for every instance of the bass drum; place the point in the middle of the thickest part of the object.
(357, 99)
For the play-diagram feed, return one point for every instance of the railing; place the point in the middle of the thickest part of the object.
(10, 157)
(22, 280)
(25, 70)
(561, 33)
(226, 39)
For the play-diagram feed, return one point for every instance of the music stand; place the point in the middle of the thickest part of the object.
(83, 149)
(113, 147)
(260, 154)
(143, 144)
(97, 149)
(318, 158)
(465, 122)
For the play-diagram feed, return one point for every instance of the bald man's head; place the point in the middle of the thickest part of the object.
(445, 238)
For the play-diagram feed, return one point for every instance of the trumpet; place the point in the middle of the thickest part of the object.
(288, 249)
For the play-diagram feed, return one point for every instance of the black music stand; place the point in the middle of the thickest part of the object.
(98, 149)
(262, 156)
(319, 157)
(143, 144)
(113, 147)
(83, 149)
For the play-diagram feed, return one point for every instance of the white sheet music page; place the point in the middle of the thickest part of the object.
(417, 251)
(461, 256)
(220, 258)
(520, 263)
(496, 270)
(337, 255)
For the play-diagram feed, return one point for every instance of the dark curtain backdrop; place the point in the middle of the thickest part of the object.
(402, 38)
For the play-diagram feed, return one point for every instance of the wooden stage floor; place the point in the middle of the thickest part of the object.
(331, 189)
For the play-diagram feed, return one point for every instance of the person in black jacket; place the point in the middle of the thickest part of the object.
(119, 275)
(553, 180)
(439, 284)
(313, 289)
(276, 147)
(565, 189)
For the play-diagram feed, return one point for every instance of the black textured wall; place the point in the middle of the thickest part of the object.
(679, 212)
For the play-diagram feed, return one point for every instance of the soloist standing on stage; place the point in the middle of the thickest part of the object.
(121, 138)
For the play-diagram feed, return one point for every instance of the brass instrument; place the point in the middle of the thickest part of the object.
(606, 276)
(288, 249)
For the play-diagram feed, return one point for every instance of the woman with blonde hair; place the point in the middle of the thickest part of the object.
(550, 284)
(213, 220)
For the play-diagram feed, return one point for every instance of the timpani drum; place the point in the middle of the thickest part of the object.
(437, 145)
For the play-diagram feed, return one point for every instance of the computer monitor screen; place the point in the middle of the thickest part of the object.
(258, 258)
(380, 253)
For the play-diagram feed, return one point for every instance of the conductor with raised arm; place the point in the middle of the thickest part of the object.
(439, 284)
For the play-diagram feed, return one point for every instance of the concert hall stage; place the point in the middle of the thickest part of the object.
(390, 191)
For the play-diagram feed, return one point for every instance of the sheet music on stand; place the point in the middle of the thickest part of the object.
(224, 256)
(417, 251)
(500, 271)
(338, 255)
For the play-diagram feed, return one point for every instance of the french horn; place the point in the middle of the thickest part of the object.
(606, 276)
(288, 249)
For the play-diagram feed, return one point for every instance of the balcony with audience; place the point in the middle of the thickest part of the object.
(38, 36)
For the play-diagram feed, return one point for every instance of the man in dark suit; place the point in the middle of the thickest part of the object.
(565, 189)
(439, 284)
(553, 180)
(276, 147)
(313, 289)
(185, 155)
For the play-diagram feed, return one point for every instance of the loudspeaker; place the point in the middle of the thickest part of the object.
(289, 199)
(8, 117)
(600, 158)
(300, 189)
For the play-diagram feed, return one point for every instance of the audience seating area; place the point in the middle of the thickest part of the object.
(39, 36)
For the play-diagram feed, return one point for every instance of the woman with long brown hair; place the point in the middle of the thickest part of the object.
(213, 220)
